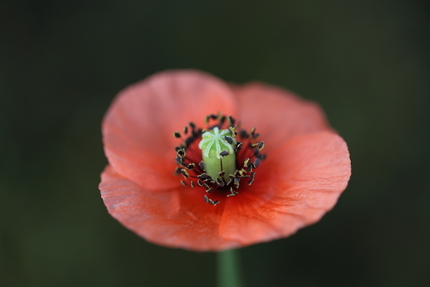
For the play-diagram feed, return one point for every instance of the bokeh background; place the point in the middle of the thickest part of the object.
(62, 62)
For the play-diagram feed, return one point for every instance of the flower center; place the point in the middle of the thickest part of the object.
(219, 158)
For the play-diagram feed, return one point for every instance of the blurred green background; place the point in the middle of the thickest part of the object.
(62, 62)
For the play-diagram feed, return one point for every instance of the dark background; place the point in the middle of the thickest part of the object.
(62, 62)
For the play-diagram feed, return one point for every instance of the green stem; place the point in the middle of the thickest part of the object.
(228, 269)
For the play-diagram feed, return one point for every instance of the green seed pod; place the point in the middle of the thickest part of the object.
(218, 152)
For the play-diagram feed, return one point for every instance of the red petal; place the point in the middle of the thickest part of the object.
(293, 188)
(138, 128)
(277, 114)
(173, 218)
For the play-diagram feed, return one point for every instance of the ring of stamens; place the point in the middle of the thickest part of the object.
(193, 169)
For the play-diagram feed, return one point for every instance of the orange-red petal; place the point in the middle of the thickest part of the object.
(295, 187)
(173, 218)
(138, 127)
(277, 114)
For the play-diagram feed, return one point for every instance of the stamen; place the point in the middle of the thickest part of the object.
(219, 182)
(181, 153)
(244, 134)
(238, 146)
(202, 166)
(231, 121)
(228, 139)
(185, 173)
(178, 171)
(232, 192)
(208, 200)
(236, 182)
(233, 131)
(204, 177)
(188, 141)
(215, 159)
(261, 146)
(221, 120)
(252, 178)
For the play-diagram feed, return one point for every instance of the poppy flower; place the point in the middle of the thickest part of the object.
(199, 164)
